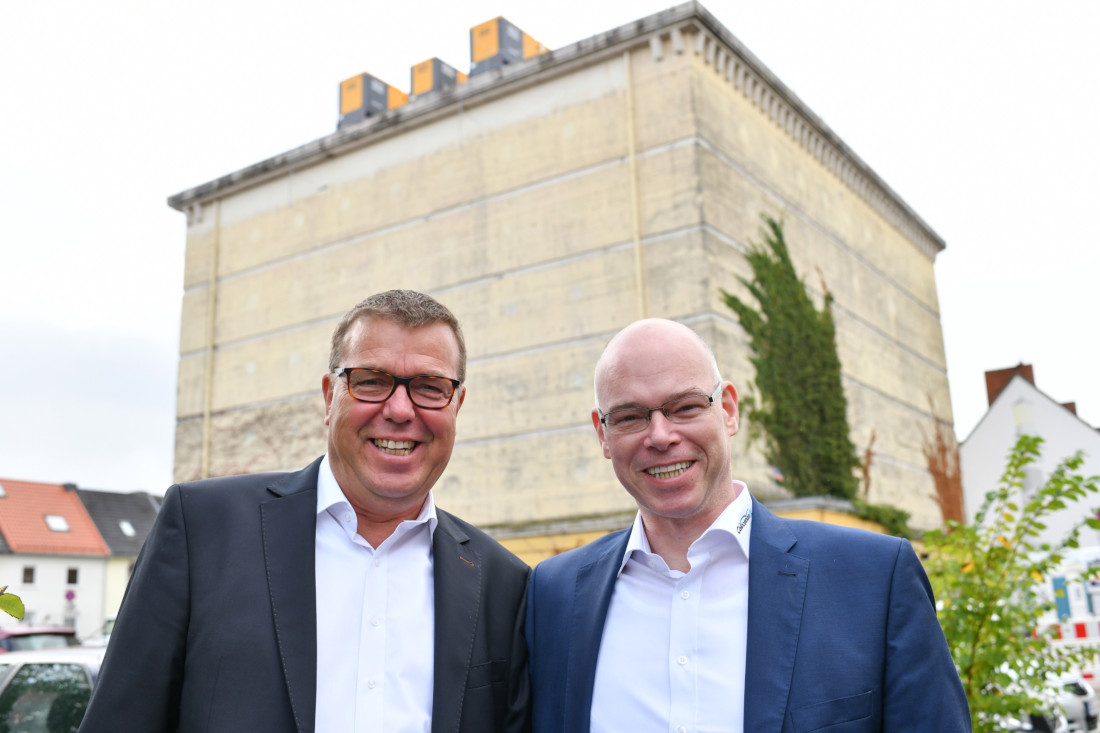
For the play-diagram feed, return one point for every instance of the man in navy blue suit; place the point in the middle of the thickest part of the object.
(710, 613)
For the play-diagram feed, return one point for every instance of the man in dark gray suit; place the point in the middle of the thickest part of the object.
(337, 598)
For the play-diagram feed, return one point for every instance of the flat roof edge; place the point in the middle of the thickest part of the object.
(844, 162)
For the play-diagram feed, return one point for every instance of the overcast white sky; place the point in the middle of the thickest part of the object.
(983, 116)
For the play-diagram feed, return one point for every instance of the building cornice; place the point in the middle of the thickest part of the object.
(663, 32)
(771, 96)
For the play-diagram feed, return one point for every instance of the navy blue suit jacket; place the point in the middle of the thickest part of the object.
(218, 628)
(842, 634)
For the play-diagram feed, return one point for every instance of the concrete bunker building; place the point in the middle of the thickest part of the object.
(548, 202)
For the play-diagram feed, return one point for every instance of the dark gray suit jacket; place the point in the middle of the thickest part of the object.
(218, 628)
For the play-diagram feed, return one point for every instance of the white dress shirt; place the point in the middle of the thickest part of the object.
(375, 620)
(672, 657)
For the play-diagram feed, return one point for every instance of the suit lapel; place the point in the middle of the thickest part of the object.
(458, 594)
(777, 592)
(591, 599)
(289, 523)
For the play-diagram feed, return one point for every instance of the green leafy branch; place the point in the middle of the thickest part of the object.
(11, 604)
(987, 578)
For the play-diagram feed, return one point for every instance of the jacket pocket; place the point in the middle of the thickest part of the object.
(487, 673)
(832, 712)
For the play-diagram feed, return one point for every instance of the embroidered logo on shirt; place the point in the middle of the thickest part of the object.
(744, 520)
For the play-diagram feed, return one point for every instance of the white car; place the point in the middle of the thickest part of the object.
(102, 637)
(47, 689)
(1079, 701)
(1047, 723)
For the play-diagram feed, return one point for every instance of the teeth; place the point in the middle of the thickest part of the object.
(396, 447)
(669, 471)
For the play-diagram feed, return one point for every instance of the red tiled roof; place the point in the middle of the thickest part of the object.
(23, 510)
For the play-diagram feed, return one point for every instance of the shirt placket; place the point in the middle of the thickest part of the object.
(683, 651)
(372, 657)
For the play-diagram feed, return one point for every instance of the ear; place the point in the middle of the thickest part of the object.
(460, 397)
(729, 407)
(599, 433)
(327, 388)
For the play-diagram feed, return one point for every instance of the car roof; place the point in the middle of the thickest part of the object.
(29, 630)
(70, 655)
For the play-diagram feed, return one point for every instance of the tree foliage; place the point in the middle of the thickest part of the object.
(11, 604)
(800, 408)
(987, 577)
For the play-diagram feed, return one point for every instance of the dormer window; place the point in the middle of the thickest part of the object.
(57, 523)
(126, 527)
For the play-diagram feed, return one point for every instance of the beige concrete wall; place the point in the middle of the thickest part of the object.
(888, 331)
(519, 214)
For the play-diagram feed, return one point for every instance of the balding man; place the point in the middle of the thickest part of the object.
(710, 613)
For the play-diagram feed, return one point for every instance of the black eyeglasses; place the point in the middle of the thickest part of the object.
(428, 391)
(680, 410)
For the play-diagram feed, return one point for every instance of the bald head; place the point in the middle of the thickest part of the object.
(652, 344)
(676, 464)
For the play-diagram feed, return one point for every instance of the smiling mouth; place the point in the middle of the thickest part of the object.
(670, 471)
(395, 447)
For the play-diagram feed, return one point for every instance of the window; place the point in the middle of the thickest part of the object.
(28, 575)
(57, 523)
(127, 528)
(73, 576)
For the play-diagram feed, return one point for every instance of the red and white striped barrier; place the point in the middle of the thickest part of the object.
(1087, 630)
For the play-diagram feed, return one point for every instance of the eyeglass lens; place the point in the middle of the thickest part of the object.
(374, 385)
(679, 410)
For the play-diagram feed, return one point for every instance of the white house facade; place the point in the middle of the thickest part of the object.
(1021, 408)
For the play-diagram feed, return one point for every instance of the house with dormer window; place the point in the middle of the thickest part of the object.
(123, 520)
(52, 556)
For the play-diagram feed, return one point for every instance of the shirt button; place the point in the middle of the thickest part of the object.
(374, 621)
(377, 562)
(682, 729)
(681, 659)
(371, 684)
(347, 517)
(685, 594)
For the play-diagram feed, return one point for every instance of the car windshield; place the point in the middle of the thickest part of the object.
(45, 697)
(38, 641)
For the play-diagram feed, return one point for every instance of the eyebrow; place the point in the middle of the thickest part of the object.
(676, 396)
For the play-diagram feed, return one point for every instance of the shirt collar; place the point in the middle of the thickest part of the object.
(331, 499)
(734, 523)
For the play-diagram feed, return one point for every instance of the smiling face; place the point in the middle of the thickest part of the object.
(679, 473)
(386, 456)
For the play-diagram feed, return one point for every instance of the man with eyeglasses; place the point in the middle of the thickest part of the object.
(338, 598)
(710, 613)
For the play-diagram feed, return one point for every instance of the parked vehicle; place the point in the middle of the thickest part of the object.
(104, 635)
(21, 638)
(1053, 722)
(1079, 701)
(47, 690)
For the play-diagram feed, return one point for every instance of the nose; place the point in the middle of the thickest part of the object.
(399, 407)
(660, 433)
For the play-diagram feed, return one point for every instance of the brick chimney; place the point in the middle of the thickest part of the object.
(997, 379)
